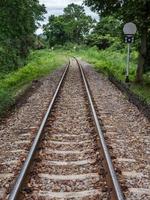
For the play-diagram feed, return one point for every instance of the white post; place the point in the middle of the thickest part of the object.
(128, 64)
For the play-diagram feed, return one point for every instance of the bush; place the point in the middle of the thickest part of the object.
(103, 41)
(6, 100)
(10, 60)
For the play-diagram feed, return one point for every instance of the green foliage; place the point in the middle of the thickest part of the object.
(103, 41)
(114, 62)
(109, 25)
(143, 91)
(18, 24)
(71, 27)
(77, 24)
(39, 42)
(54, 31)
(130, 10)
(40, 63)
(107, 32)
(108, 61)
(67, 46)
(5, 100)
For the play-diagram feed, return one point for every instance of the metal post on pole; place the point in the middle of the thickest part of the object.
(128, 64)
(129, 30)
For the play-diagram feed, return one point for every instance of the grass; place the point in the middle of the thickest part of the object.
(114, 62)
(40, 63)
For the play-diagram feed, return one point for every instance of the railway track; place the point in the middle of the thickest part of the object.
(69, 158)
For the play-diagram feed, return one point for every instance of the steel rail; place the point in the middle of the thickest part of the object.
(116, 190)
(19, 182)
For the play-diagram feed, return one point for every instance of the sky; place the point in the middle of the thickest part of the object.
(55, 7)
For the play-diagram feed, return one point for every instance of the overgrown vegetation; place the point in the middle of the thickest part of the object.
(126, 11)
(113, 62)
(18, 22)
(40, 63)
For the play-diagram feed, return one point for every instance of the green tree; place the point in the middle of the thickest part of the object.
(18, 23)
(105, 33)
(109, 25)
(73, 26)
(129, 10)
(55, 31)
(77, 24)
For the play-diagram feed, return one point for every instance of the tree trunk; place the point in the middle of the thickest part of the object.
(142, 56)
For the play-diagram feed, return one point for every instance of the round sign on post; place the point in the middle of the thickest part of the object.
(129, 30)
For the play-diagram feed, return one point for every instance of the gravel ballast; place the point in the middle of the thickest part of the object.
(74, 174)
(67, 165)
(127, 135)
(18, 130)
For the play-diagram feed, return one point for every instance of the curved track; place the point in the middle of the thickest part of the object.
(69, 158)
